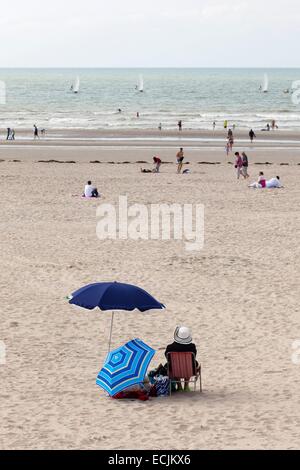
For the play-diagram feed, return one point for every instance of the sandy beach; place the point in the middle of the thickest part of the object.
(239, 295)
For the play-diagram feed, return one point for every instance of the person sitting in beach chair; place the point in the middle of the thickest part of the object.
(90, 191)
(183, 345)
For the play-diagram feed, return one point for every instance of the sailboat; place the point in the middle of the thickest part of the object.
(76, 87)
(265, 88)
(141, 84)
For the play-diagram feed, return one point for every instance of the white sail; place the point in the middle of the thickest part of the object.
(141, 83)
(76, 86)
(266, 84)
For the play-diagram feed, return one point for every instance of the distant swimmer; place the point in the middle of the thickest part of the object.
(137, 114)
(267, 128)
(119, 110)
(43, 132)
(160, 126)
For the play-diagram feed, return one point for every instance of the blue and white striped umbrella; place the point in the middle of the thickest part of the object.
(125, 367)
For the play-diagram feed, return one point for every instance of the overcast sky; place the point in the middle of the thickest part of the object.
(150, 33)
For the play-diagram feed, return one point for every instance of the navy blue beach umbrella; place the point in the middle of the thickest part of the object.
(112, 296)
(125, 367)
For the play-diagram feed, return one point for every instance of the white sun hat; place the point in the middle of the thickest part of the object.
(183, 335)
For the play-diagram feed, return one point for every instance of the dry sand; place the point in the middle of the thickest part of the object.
(240, 296)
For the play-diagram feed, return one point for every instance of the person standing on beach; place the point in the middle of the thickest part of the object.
(180, 159)
(252, 135)
(160, 126)
(180, 126)
(225, 124)
(35, 132)
(245, 166)
(238, 164)
(214, 125)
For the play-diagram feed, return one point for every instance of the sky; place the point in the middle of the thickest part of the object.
(150, 33)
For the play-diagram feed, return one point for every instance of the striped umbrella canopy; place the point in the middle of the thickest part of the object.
(125, 367)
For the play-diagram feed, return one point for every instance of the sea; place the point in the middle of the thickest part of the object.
(198, 97)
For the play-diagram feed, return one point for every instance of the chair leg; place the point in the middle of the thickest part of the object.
(201, 390)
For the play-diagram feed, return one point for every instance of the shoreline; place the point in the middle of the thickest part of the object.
(149, 138)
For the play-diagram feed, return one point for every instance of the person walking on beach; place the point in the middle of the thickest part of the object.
(252, 135)
(245, 166)
(12, 135)
(231, 142)
(180, 159)
(8, 133)
(214, 125)
(35, 132)
(238, 164)
(180, 126)
(225, 124)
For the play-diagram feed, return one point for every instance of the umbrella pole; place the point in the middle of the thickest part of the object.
(111, 330)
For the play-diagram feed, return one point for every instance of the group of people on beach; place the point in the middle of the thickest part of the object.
(158, 162)
(263, 183)
(11, 134)
(241, 165)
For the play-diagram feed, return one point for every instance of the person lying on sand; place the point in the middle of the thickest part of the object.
(274, 183)
(261, 183)
(90, 191)
(183, 342)
(143, 170)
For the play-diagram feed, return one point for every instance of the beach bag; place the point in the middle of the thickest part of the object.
(162, 386)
